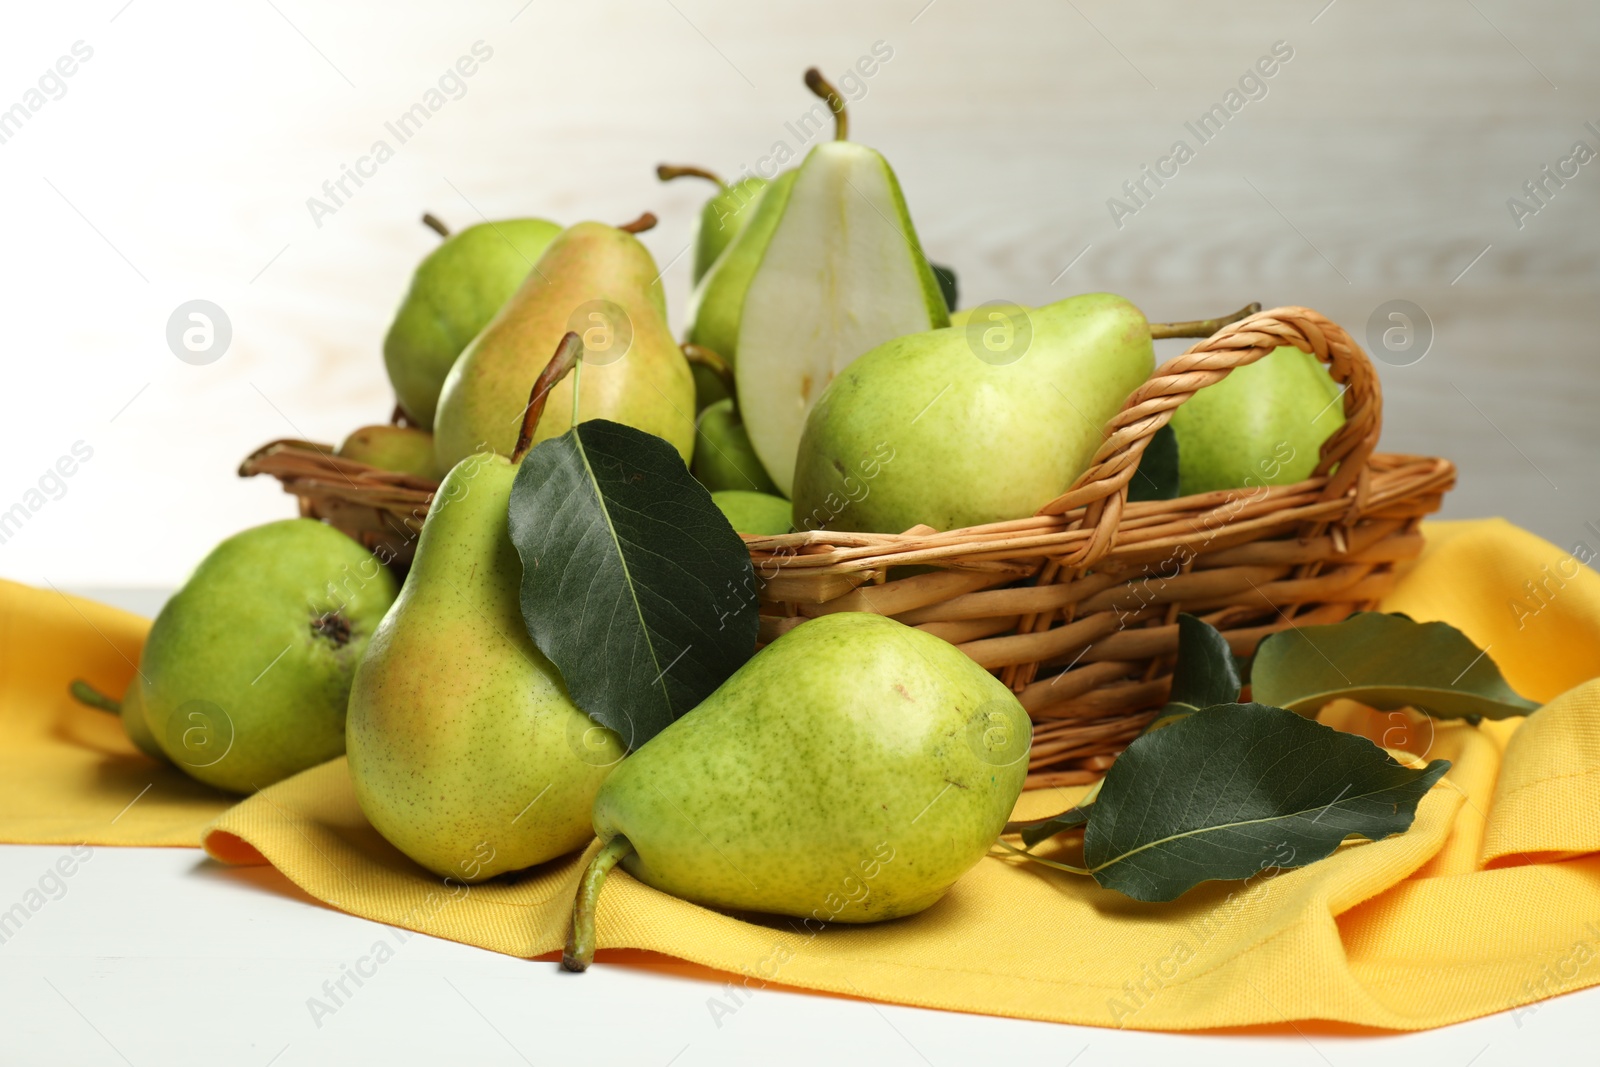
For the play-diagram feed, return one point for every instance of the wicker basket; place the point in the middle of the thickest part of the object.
(1075, 608)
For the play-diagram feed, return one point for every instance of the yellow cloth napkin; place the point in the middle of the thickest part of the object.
(1487, 903)
(68, 774)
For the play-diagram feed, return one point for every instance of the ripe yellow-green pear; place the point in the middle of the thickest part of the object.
(971, 424)
(723, 216)
(466, 751)
(406, 449)
(599, 281)
(723, 457)
(1263, 424)
(130, 709)
(849, 772)
(247, 668)
(454, 293)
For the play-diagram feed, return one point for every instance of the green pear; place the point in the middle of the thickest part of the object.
(466, 752)
(454, 293)
(405, 449)
(756, 514)
(1263, 424)
(130, 709)
(247, 668)
(849, 772)
(601, 282)
(968, 425)
(842, 274)
(723, 216)
(723, 457)
(718, 299)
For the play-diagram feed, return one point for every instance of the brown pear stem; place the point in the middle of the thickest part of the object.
(644, 222)
(398, 417)
(1199, 327)
(580, 946)
(568, 352)
(668, 171)
(432, 222)
(701, 356)
(88, 695)
(823, 88)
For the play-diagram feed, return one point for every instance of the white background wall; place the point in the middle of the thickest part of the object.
(178, 163)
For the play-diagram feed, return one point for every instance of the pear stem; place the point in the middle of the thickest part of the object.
(1199, 327)
(644, 222)
(1057, 864)
(432, 222)
(668, 171)
(86, 694)
(823, 88)
(568, 352)
(701, 356)
(580, 947)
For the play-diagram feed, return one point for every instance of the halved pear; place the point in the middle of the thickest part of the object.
(842, 273)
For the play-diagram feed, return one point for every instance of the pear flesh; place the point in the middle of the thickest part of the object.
(842, 274)
(466, 751)
(454, 293)
(602, 283)
(971, 424)
(1263, 424)
(247, 669)
(849, 772)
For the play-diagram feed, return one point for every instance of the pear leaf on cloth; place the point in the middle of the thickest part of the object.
(1040, 829)
(1156, 476)
(1236, 789)
(633, 582)
(1386, 662)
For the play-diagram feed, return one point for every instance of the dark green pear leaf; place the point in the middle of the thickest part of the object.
(1156, 476)
(1235, 789)
(1206, 672)
(947, 284)
(1039, 829)
(1386, 662)
(633, 583)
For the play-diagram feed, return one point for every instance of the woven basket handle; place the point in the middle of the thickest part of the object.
(1102, 490)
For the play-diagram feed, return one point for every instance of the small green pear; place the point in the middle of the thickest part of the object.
(597, 280)
(1263, 424)
(466, 751)
(405, 449)
(130, 709)
(723, 456)
(756, 514)
(454, 293)
(723, 216)
(247, 668)
(849, 772)
(973, 424)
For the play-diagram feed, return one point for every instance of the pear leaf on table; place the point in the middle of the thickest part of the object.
(1039, 829)
(1235, 789)
(1156, 476)
(1387, 662)
(633, 582)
